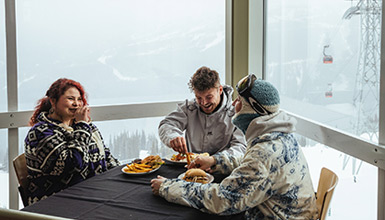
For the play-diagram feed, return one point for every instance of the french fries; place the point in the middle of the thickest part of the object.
(137, 168)
(188, 158)
(143, 166)
(182, 157)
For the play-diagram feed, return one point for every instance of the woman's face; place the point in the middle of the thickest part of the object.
(67, 105)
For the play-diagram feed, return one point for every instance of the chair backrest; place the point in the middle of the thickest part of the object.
(21, 170)
(326, 185)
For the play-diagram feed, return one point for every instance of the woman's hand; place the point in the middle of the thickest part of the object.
(155, 184)
(202, 162)
(83, 114)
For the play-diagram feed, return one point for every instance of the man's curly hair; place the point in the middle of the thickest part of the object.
(203, 79)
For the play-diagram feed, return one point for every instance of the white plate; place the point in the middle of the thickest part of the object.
(184, 161)
(144, 173)
(209, 177)
(168, 159)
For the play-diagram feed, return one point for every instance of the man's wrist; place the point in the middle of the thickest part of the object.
(214, 163)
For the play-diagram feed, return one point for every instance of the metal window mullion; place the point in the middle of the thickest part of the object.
(228, 42)
(256, 37)
(13, 133)
(381, 133)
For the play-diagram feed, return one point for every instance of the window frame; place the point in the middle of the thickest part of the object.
(372, 153)
(235, 11)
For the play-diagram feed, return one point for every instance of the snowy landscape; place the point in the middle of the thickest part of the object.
(122, 55)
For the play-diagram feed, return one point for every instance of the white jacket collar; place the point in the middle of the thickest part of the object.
(279, 121)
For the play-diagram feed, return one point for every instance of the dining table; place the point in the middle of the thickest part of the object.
(117, 195)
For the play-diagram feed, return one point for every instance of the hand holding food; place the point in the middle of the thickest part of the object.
(203, 162)
(178, 144)
(143, 166)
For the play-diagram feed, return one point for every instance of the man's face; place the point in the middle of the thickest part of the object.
(209, 99)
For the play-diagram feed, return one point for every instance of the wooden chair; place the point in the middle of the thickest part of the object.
(326, 185)
(20, 166)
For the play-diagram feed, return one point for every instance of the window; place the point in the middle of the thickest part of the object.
(4, 169)
(133, 138)
(121, 51)
(317, 59)
(3, 62)
(3, 108)
(355, 178)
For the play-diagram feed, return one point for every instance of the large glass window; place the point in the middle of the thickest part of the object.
(324, 58)
(121, 51)
(127, 139)
(3, 108)
(3, 61)
(133, 138)
(4, 169)
(355, 177)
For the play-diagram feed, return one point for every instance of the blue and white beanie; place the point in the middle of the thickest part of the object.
(266, 94)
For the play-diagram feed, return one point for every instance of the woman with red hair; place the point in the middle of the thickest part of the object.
(63, 147)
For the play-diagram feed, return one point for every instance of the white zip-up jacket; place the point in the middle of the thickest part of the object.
(211, 133)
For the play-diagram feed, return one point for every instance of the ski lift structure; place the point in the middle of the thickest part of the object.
(329, 91)
(328, 59)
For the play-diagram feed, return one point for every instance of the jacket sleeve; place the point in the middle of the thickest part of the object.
(226, 162)
(110, 159)
(173, 125)
(237, 143)
(246, 187)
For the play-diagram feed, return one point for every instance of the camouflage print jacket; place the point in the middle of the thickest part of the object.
(271, 181)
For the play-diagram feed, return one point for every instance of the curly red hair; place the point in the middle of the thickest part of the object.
(57, 89)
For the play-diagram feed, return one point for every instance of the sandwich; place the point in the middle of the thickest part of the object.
(196, 175)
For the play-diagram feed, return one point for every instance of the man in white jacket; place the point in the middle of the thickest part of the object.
(271, 180)
(204, 124)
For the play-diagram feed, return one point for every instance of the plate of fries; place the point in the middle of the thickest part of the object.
(181, 158)
(147, 165)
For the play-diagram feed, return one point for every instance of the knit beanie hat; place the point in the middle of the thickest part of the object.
(259, 100)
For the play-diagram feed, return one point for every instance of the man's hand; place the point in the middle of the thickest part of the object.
(202, 162)
(155, 184)
(178, 144)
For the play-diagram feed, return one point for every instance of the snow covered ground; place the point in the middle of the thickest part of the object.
(4, 183)
(355, 196)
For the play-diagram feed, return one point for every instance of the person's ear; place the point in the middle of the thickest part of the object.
(52, 102)
(220, 90)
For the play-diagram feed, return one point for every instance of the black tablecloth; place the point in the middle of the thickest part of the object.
(115, 195)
